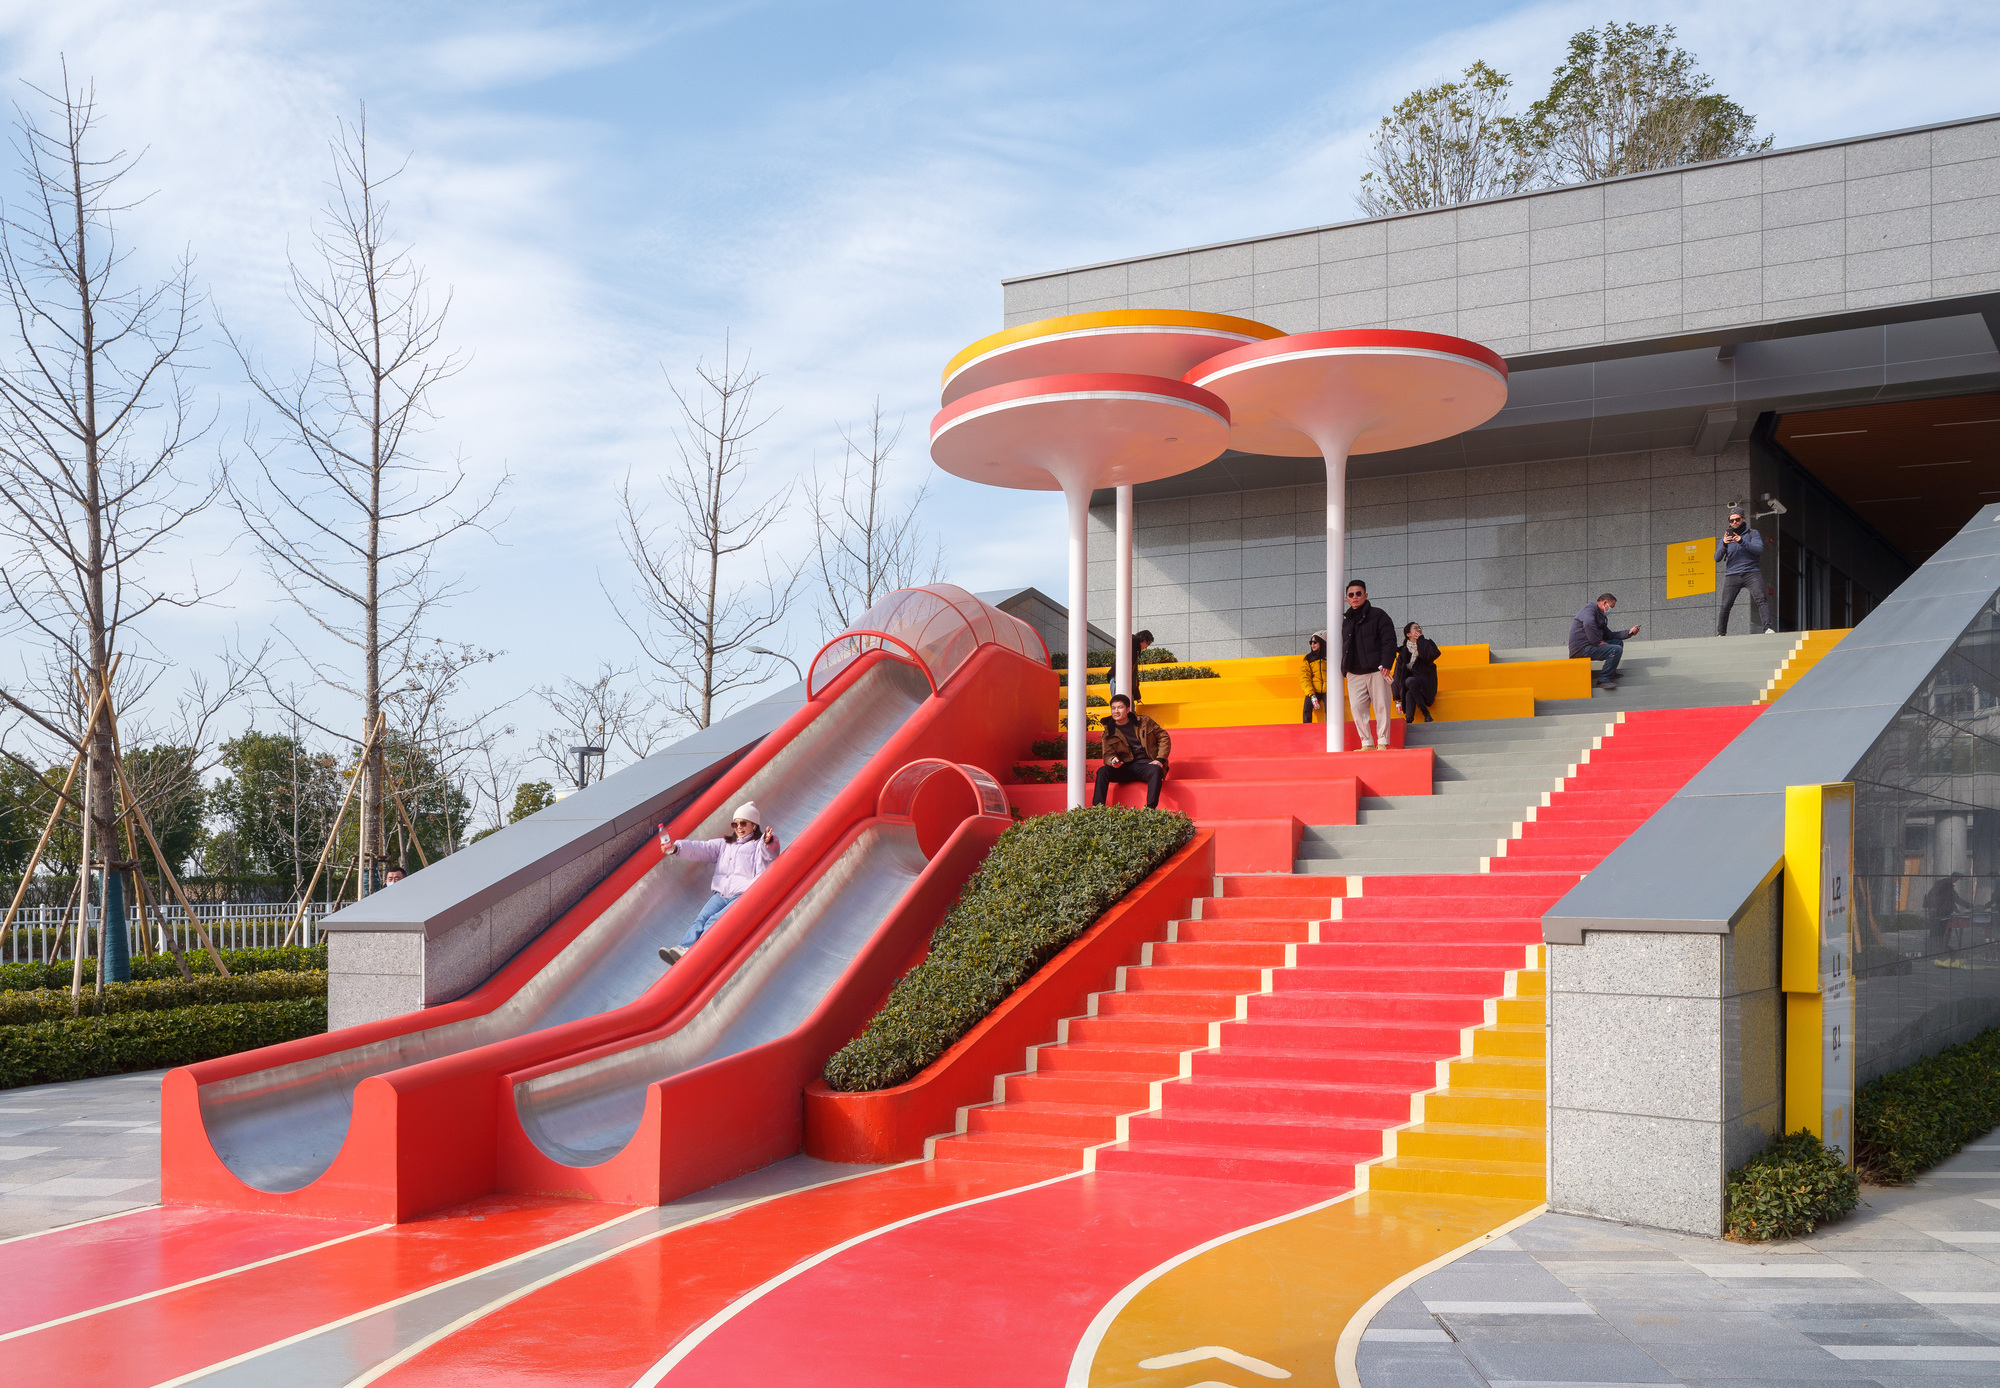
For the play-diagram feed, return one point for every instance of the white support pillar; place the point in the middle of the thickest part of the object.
(1125, 677)
(1077, 494)
(1335, 452)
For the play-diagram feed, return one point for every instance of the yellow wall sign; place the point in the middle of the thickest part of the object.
(1818, 963)
(1691, 568)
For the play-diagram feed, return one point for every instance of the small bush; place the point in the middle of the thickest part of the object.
(1044, 883)
(1089, 701)
(1909, 1121)
(1056, 747)
(84, 1047)
(1789, 1189)
(1104, 659)
(1028, 773)
(1179, 672)
(290, 958)
(158, 995)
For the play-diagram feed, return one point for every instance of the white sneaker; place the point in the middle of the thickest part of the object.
(1770, 631)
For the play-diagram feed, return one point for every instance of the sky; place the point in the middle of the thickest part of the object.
(608, 191)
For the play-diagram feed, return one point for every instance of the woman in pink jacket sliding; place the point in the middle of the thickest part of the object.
(738, 861)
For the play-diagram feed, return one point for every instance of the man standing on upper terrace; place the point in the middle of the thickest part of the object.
(1591, 638)
(1740, 551)
(1367, 650)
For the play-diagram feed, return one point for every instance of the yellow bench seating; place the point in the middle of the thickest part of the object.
(1265, 689)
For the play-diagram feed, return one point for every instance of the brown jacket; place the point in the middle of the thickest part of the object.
(1119, 742)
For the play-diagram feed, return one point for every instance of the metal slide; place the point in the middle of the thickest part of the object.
(280, 1129)
(585, 1114)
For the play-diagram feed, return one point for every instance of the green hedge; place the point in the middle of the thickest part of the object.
(1058, 748)
(1044, 883)
(1909, 1121)
(1789, 1189)
(158, 995)
(1103, 658)
(45, 1052)
(291, 958)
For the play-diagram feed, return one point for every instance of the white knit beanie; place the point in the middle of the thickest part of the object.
(748, 810)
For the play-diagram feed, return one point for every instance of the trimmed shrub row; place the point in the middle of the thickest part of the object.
(1104, 658)
(1044, 883)
(1058, 748)
(84, 1047)
(1909, 1121)
(158, 995)
(1789, 1189)
(1089, 701)
(291, 958)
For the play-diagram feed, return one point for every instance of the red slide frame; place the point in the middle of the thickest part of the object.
(425, 1136)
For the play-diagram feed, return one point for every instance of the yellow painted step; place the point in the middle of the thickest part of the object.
(1470, 1142)
(1442, 1176)
(1533, 983)
(1507, 1108)
(1522, 1011)
(1528, 1074)
(1809, 651)
(1511, 1039)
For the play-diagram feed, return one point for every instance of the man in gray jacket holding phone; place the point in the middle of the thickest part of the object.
(1741, 554)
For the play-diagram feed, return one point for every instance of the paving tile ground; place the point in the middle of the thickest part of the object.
(1904, 1293)
(78, 1150)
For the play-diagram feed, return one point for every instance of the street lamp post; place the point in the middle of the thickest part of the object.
(583, 756)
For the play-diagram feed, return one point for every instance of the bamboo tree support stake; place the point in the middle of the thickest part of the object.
(55, 810)
(159, 855)
(83, 898)
(143, 896)
(396, 794)
(333, 834)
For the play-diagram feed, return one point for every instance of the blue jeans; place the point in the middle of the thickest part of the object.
(1611, 652)
(717, 904)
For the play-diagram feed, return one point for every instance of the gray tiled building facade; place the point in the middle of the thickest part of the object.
(1650, 324)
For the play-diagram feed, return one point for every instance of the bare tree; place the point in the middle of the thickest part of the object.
(1625, 100)
(95, 417)
(1444, 145)
(694, 618)
(603, 711)
(346, 510)
(864, 545)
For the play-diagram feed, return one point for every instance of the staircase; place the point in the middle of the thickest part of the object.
(1490, 774)
(1806, 654)
(1280, 1032)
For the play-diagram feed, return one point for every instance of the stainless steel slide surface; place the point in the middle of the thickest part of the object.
(585, 1114)
(280, 1129)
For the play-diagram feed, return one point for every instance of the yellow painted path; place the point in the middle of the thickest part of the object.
(1282, 1294)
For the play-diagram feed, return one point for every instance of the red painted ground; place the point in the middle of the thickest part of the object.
(167, 1336)
(608, 1324)
(996, 1294)
(66, 1271)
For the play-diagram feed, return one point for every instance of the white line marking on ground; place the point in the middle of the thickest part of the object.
(1946, 1354)
(262, 1350)
(743, 1303)
(1510, 1308)
(1965, 1235)
(1956, 1298)
(1202, 1353)
(409, 1352)
(65, 1228)
(1405, 1337)
(191, 1282)
(1776, 1269)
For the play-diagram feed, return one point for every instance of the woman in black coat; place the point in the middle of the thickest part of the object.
(1413, 679)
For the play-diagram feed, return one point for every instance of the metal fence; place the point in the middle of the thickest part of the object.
(45, 933)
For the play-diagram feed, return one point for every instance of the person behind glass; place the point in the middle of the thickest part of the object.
(739, 860)
(1312, 677)
(1591, 638)
(1367, 651)
(1740, 551)
(1414, 677)
(1135, 749)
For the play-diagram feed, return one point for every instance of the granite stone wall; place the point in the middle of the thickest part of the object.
(1666, 1068)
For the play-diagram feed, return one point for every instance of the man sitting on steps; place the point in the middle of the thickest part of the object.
(1135, 749)
(1591, 638)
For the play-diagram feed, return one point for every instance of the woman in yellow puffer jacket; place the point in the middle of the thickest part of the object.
(1312, 676)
